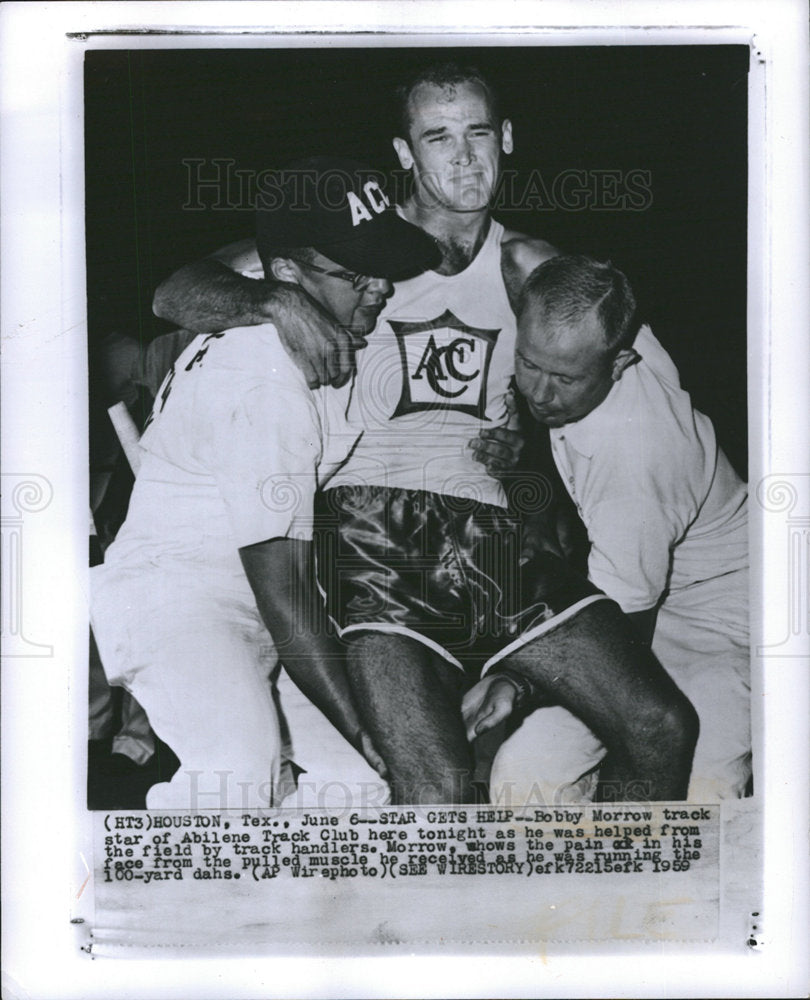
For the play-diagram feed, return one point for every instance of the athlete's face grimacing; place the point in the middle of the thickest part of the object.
(563, 371)
(454, 146)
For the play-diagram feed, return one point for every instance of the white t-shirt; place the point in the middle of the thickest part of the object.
(436, 371)
(663, 507)
(236, 448)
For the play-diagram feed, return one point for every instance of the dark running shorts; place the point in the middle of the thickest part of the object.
(440, 569)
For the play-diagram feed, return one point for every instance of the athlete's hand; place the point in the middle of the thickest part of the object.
(491, 701)
(499, 449)
(322, 350)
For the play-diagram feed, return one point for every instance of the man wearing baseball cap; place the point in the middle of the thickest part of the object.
(216, 547)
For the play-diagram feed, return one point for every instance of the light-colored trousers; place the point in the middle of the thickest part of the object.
(196, 655)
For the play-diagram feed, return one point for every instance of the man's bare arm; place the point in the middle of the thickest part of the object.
(499, 448)
(282, 576)
(520, 255)
(211, 295)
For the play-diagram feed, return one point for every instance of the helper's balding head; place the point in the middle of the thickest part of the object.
(576, 325)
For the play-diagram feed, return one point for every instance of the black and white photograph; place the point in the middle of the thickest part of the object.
(425, 513)
(427, 449)
(446, 531)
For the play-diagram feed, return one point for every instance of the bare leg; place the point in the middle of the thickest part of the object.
(410, 700)
(594, 666)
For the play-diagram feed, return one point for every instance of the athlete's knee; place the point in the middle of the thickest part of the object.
(669, 725)
(680, 723)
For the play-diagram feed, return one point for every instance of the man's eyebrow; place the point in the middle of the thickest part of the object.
(436, 130)
(428, 133)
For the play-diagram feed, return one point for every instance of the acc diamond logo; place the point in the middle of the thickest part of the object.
(445, 365)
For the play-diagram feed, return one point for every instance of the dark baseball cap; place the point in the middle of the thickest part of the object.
(339, 207)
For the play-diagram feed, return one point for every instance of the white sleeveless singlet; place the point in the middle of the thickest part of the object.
(435, 372)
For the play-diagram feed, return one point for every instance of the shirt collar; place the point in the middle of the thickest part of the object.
(587, 435)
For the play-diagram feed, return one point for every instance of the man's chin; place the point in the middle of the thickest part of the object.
(548, 419)
(472, 200)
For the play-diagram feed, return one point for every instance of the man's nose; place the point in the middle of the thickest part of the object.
(542, 390)
(378, 288)
(463, 153)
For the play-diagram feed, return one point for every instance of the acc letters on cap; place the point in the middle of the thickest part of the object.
(375, 197)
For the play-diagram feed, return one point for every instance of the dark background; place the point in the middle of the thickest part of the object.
(678, 112)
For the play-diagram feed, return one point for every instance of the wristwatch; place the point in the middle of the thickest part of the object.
(523, 686)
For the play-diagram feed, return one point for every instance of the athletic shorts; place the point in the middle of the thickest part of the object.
(443, 570)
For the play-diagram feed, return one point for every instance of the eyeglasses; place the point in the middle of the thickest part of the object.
(358, 281)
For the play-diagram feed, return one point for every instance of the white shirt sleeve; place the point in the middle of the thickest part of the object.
(266, 455)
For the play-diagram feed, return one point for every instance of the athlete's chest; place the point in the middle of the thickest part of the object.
(442, 343)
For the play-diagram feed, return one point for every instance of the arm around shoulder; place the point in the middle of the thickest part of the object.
(211, 294)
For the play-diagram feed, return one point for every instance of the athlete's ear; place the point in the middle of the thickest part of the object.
(506, 136)
(624, 360)
(283, 269)
(403, 151)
